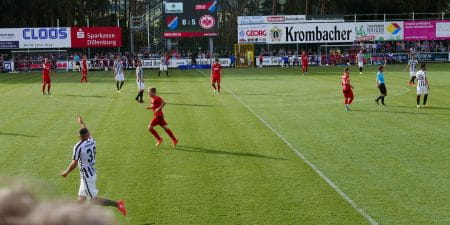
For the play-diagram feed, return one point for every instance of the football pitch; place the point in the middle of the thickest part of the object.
(274, 148)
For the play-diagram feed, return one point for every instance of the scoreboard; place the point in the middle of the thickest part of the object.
(190, 18)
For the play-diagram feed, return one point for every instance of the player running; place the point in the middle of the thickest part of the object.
(164, 65)
(360, 58)
(157, 105)
(216, 73)
(422, 85)
(347, 89)
(140, 82)
(305, 63)
(118, 74)
(381, 86)
(84, 69)
(84, 154)
(412, 64)
(46, 80)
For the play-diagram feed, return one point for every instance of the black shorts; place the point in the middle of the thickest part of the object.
(382, 88)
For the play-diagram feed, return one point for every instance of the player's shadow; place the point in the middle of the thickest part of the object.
(84, 96)
(16, 135)
(381, 111)
(193, 105)
(218, 152)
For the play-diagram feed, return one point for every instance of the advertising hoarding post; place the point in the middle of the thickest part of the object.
(89, 49)
(211, 47)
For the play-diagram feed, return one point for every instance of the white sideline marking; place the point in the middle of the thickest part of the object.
(299, 154)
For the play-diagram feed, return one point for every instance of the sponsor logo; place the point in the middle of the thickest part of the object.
(317, 35)
(256, 33)
(393, 28)
(5, 36)
(207, 22)
(174, 7)
(210, 6)
(172, 22)
(44, 33)
(80, 34)
(276, 19)
(275, 34)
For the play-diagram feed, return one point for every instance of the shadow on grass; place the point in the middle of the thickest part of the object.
(193, 105)
(383, 111)
(85, 96)
(218, 152)
(17, 135)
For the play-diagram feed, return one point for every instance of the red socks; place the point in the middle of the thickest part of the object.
(170, 133)
(153, 131)
(350, 101)
(218, 86)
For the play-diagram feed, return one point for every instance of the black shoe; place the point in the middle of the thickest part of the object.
(377, 101)
(384, 105)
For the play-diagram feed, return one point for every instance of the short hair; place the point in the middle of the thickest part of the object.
(347, 69)
(152, 89)
(423, 65)
(83, 131)
(380, 68)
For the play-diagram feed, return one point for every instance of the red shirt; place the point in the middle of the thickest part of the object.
(305, 59)
(216, 69)
(156, 103)
(346, 82)
(46, 70)
(84, 64)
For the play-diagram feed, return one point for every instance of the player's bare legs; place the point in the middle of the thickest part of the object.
(172, 136)
(120, 205)
(159, 140)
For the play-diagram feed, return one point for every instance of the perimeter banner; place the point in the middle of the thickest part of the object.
(427, 30)
(60, 37)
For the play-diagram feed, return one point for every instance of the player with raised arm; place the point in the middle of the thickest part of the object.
(412, 64)
(140, 82)
(46, 80)
(164, 65)
(305, 63)
(84, 154)
(84, 69)
(381, 85)
(216, 73)
(118, 73)
(347, 89)
(360, 58)
(157, 105)
(423, 87)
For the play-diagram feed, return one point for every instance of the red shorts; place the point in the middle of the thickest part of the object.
(348, 93)
(84, 73)
(215, 79)
(46, 80)
(158, 121)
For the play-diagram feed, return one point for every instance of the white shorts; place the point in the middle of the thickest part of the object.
(360, 64)
(120, 77)
(140, 85)
(88, 187)
(422, 90)
(162, 67)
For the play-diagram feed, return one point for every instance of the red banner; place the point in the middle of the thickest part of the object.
(96, 37)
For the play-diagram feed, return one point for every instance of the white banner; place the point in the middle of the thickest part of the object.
(243, 20)
(44, 37)
(253, 34)
(379, 31)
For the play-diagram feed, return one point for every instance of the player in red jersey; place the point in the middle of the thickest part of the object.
(46, 81)
(305, 62)
(216, 73)
(347, 89)
(157, 105)
(84, 69)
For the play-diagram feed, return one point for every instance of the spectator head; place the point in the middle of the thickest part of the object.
(15, 204)
(69, 213)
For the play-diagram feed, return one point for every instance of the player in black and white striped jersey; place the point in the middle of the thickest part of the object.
(84, 154)
(423, 87)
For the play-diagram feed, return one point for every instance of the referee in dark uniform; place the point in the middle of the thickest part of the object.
(381, 85)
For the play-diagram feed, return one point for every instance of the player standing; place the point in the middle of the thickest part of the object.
(140, 82)
(84, 69)
(360, 58)
(347, 89)
(84, 154)
(216, 73)
(422, 85)
(118, 73)
(305, 62)
(412, 63)
(157, 105)
(46, 81)
(164, 65)
(381, 86)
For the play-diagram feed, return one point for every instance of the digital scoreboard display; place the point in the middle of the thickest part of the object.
(190, 18)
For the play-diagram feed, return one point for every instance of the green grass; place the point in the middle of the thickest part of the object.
(230, 168)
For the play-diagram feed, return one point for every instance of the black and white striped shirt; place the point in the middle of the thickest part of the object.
(84, 152)
(422, 78)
